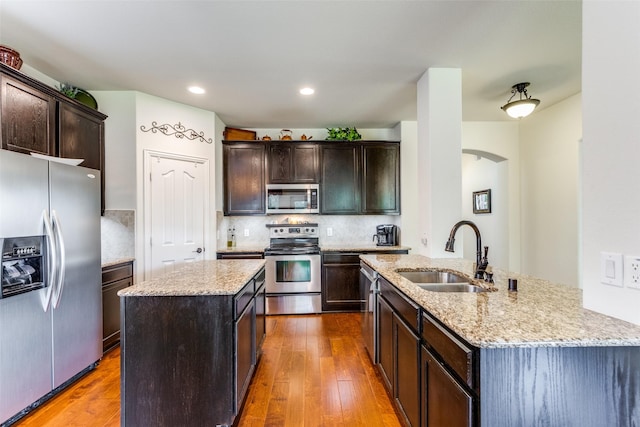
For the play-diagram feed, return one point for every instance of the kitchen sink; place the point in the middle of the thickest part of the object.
(450, 287)
(440, 281)
(433, 277)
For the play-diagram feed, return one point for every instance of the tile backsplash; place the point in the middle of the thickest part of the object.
(118, 235)
(346, 229)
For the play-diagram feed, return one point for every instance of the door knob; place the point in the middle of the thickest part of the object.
(199, 250)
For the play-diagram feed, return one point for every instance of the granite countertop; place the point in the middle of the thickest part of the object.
(361, 248)
(539, 314)
(211, 277)
(324, 248)
(242, 249)
(117, 261)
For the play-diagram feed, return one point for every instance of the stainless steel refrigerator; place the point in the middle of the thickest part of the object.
(51, 333)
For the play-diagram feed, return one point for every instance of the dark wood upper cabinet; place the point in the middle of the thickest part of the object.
(360, 178)
(28, 118)
(36, 118)
(381, 178)
(81, 136)
(244, 178)
(340, 177)
(292, 163)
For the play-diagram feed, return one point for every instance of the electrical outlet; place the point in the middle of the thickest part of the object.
(611, 269)
(632, 271)
(246, 232)
(329, 231)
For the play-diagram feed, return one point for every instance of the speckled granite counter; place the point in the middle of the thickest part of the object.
(362, 248)
(539, 314)
(212, 277)
(117, 261)
(241, 249)
(323, 248)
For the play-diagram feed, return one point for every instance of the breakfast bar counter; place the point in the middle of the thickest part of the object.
(538, 314)
(500, 358)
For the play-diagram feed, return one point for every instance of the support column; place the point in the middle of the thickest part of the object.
(439, 154)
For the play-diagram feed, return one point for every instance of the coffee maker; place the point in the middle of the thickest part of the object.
(386, 235)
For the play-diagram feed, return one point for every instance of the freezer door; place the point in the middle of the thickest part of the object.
(77, 314)
(25, 352)
(25, 328)
(24, 194)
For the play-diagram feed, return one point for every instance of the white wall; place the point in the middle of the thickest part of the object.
(439, 153)
(610, 149)
(149, 109)
(410, 186)
(119, 148)
(497, 144)
(550, 147)
(481, 173)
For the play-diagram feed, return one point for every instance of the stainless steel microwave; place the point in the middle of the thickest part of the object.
(292, 198)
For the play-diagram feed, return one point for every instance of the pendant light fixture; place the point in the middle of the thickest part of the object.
(523, 106)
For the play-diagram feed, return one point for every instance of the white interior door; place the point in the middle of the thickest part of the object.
(175, 218)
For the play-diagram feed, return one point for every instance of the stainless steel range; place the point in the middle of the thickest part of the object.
(293, 269)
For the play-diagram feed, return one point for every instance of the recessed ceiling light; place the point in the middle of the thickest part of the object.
(307, 91)
(197, 90)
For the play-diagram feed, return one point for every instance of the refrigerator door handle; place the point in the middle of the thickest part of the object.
(62, 262)
(52, 260)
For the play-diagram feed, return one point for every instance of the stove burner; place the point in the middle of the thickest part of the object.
(293, 239)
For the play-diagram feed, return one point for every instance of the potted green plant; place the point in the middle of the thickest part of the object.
(68, 90)
(78, 94)
(343, 134)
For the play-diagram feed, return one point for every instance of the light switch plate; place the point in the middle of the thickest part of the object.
(611, 269)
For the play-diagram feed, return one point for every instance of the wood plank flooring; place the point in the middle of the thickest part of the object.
(314, 371)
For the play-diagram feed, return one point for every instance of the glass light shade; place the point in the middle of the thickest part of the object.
(521, 108)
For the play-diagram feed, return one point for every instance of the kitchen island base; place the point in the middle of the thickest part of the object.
(187, 360)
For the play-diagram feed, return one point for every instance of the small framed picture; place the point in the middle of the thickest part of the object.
(482, 202)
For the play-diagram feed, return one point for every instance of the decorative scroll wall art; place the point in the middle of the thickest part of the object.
(178, 130)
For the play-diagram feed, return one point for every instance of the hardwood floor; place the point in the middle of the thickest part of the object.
(314, 371)
(93, 401)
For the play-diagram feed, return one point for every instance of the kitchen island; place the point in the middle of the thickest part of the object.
(190, 343)
(501, 358)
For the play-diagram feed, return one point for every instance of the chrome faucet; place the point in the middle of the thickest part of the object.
(481, 261)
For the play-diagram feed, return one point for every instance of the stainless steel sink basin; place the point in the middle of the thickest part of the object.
(433, 277)
(450, 287)
(440, 281)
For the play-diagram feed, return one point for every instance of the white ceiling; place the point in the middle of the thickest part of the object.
(362, 57)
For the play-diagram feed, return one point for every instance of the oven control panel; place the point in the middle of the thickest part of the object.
(292, 230)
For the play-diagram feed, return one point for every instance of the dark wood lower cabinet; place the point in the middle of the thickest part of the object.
(245, 351)
(424, 393)
(407, 371)
(240, 255)
(341, 287)
(438, 379)
(188, 360)
(341, 282)
(444, 401)
(114, 278)
(261, 314)
(385, 342)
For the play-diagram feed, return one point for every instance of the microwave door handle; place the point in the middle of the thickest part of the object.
(52, 260)
(61, 266)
